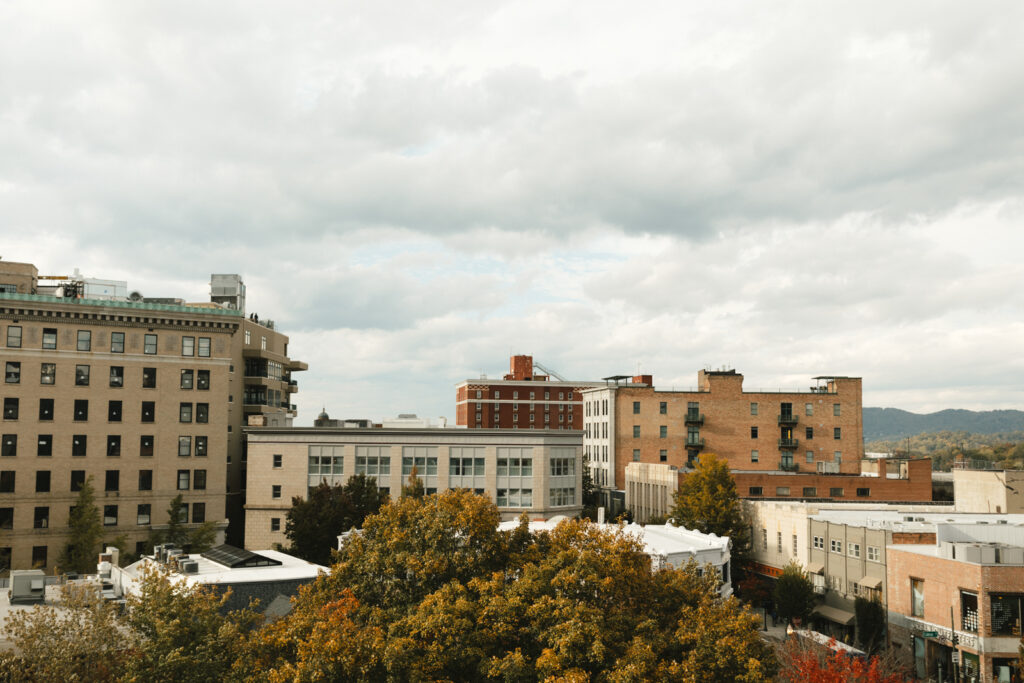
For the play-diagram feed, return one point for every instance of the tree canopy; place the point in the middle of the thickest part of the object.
(85, 530)
(707, 501)
(794, 594)
(313, 524)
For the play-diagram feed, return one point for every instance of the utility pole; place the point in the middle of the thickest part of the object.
(956, 653)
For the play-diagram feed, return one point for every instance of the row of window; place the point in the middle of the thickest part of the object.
(787, 409)
(80, 445)
(200, 412)
(143, 516)
(808, 492)
(547, 417)
(111, 480)
(562, 395)
(189, 347)
(197, 379)
(837, 433)
(599, 407)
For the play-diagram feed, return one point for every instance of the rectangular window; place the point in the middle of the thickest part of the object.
(636, 431)
(663, 455)
(809, 456)
(764, 538)
(809, 432)
(837, 433)
(44, 445)
(116, 376)
(188, 346)
(6, 522)
(810, 492)
(81, 410)
(117, 342)
(873, 553)
(794, 544)
(754, 456)
(148, 411)
(185, 412)
(248, 336)
(112, 480)
(81, 375)
(863, 492)
(12, 374)
(184, 446)
(199, 480)
(916, 596)
(202, 413)
(109, 515)
(275, 491)
(853, 549)
(636, 455)
(42, 518)
(14, 336)
(145, 480)
(275, 523)
(198, 513)
(149, 378)
(278, 458)
(184, 477)
(836, 409)
(753, 409)
(143, 515)
(1006, 614)
(84, 340)
(663, 408)
(146, 445)
(778, 541)
(202, 380)
(186, 379)
(753, 432)
(808, 409)
(781, 491)
(636, 407)
(48, 373)
(114, 445)
(819, 542)
(835, 492)
(756, 491)
(204, 347)
(9, 445)
(10, 408)
(77, 480)
(835, 546)
(45, 409)
(42, 481)
(79, 445)
(149, 344)
(114, 411)
(49, 337)
(200, 446)
(663, 432)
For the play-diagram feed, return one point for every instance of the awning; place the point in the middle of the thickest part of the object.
(815, 567)
(870, 582)
(839, 616)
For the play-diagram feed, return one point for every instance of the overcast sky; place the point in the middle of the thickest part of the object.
(415, 190)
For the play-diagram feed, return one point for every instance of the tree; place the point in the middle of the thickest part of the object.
(196, 539)
(804, 662)
(870, 624)
(707, 501)
(413, 488)
(312, 525)
(432, 590)
(794, 594)
(85, 532)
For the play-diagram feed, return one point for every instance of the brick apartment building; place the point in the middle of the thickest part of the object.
(522, 399)
(959, 600)
(147, 397)
(816, 431)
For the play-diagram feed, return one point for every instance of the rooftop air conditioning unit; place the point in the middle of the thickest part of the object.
(189, 567)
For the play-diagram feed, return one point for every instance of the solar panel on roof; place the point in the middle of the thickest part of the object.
(235, 558)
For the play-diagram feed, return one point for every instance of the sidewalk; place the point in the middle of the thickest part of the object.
(776, 633)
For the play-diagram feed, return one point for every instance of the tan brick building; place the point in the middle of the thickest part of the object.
(961, 598)
(147, 399)
(528, 470)
(522, 399)
(628, 420)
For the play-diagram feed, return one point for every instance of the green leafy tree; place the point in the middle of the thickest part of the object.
(870, 624)
(793, 594)
(85, 532)
(313, 524)
(196, 539)
(707, 501)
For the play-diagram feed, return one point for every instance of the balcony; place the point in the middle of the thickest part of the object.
(293, 385)
(787, 419)
(788, 444)
(694, 442)
(789, 466)
(694, 418)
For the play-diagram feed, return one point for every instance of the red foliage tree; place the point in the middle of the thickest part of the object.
(812, 665)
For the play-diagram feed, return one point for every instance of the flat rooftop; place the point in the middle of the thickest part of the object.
(194, 309)
(896, 519)
(210, 572)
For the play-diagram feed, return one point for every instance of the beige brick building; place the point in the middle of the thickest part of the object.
(534, 471)
(628, 420)
(147, 399)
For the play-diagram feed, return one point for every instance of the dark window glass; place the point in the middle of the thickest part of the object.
(78, 444)
(9, 445)
(7, 481)
(202, 380)
(837, 433)
(145, 480)
(116, 376)
(6, 522)
(753, 432)
(46, 409)
(42, 481)
(186, 379)
(809, 432)
(148, 378)
(109, 515)
(199, 480)
(185, 412)
(114, 411)
(143, 515)
(200, 446)
(202, 413)
(198, 513)
(12, 375)
(114, 445)
(39, 556)
(48, 373)
(44, 445)
(41, 519)
(77, 479)
(146, 445)
(112, 481)
(148, 411)
(49, 337)
(81, 410)
(81, 375)
(10, 408)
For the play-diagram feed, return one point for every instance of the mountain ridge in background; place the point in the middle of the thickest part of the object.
(894, 423)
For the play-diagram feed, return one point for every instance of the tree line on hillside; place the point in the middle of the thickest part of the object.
(893, 423)
(1003, 450)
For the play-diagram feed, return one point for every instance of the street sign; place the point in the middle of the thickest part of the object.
(956, 657)
(930, 634)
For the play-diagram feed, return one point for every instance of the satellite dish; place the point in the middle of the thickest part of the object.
(135, 296)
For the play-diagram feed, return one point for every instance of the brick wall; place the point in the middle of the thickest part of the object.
(916, 488)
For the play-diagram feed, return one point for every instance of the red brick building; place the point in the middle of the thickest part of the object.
(522, 399)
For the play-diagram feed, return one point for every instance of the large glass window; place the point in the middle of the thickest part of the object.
(188, 346)
(48, 373)
(561, 467)
(49, 337)
(371, 461)
(326, 463)
(116, 376)
(969, 611)
(12, 373)
(84, 340)
(14, 336)
(916, 597)
(149, 344)
(1006, 612)
(204, 347)
(117, 342)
